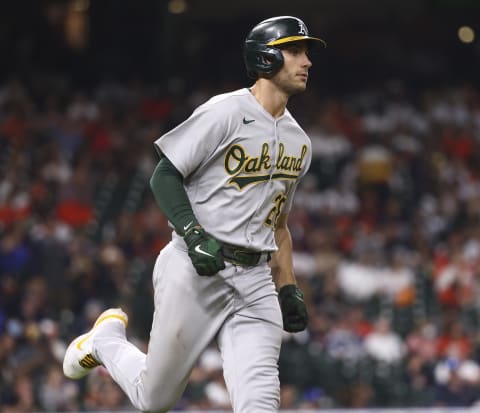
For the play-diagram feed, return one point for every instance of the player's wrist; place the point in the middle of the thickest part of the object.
(187, 225)
(204, 251)
(193, 232)
(289, 290)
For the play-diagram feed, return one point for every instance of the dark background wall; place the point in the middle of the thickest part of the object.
(369, 41)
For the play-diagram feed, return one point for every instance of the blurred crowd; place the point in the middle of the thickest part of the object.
(385, 226)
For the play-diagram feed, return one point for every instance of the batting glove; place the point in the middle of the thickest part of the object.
(294, 312)
(204, 251)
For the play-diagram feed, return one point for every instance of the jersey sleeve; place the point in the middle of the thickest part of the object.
(194, 141)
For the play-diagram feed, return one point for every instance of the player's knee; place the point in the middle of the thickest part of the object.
(259, 403)
(259, 396)
(158, 403)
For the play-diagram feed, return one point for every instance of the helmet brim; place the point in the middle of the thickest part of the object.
(291, 39)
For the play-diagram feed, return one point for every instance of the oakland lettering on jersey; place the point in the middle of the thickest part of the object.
(246, 169)
(289, 163)
(238, 161)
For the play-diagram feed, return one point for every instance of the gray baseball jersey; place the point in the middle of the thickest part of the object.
(241, 166)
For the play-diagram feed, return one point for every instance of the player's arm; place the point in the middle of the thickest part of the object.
(167, 187)
(293, 308)
(281, 262)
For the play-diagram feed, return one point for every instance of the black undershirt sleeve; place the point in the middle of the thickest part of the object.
(167, 187)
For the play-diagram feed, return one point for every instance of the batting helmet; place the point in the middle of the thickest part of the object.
(261, 52)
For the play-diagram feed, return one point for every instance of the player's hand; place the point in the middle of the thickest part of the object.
(204, 251)
(294, 312)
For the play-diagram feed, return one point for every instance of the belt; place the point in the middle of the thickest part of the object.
(244, 256)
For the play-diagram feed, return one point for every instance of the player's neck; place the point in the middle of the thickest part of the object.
(270, 97)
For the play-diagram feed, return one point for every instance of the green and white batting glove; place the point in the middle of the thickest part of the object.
(294, 312)
(204, 251)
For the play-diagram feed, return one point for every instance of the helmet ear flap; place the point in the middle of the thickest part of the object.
(273, 59)
(260, 58)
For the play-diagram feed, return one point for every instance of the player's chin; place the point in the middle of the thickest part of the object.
(298, 87)
(301, 81)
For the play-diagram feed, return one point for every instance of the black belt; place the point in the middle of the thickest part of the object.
(244, 256)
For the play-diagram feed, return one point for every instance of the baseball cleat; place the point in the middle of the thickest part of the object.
(79, 359)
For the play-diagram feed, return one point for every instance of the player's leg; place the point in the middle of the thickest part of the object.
(106, 344)
(189, 310)
(250, 343)
(123, 360)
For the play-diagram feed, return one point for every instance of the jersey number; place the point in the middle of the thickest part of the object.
(274, 213)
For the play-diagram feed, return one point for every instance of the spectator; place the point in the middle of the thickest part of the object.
(457, 382)
(383, 344)
(21, 397)
(56, 394)
(343, 342)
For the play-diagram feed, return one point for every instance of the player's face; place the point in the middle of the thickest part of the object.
(292, 77)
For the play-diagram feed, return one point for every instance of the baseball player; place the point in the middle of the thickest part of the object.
(226, 181)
